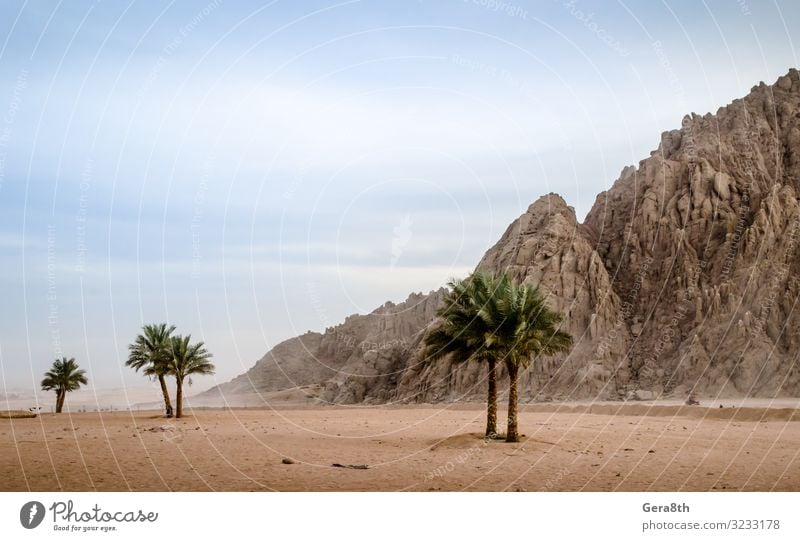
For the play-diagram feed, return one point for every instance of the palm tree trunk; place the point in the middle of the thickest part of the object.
(511, 434)
(167, 403)
(491, 401)
(59, 400)
(179, 399)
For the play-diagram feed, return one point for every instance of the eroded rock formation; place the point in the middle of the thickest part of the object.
(683, 277)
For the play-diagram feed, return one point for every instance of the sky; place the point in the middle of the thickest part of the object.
(248, 171)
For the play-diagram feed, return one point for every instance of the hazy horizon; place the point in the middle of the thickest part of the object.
(248, 172)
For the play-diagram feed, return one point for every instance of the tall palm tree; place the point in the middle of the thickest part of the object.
(185, 360)
(525, 327)
(150, 353)
(464, 332)
(64, 376)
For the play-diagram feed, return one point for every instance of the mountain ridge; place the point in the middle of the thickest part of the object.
(680, 279)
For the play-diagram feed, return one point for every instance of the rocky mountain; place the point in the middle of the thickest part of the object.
(683, 277)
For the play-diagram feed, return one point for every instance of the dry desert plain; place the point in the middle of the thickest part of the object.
(419, 448)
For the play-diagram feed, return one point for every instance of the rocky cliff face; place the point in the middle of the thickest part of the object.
(708, 226)
(683, 277)
(361, 360)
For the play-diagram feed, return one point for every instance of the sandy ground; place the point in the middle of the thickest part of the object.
(421, 448)
(84, 399)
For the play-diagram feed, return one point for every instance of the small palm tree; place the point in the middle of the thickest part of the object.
(150, 353)
(525, 327)
(63, 377)
(185, 360)
(465, 333)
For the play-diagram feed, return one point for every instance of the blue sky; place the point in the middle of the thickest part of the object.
(248, 171)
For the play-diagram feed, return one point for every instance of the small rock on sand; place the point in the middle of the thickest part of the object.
(287, 461)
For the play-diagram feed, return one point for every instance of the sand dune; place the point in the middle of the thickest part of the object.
(423, 448)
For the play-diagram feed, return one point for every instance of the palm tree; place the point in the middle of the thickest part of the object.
(63, 377)
(525, 327)
(151, 354)
(187, 359)
(464, 332)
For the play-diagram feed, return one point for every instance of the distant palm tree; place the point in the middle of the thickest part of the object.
(464, 332)
(185, 360)
(525, 327)
(63, 377)
(150, 353)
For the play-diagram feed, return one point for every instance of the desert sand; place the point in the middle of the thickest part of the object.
(418, 448)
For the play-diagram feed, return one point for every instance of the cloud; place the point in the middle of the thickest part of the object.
(324, 127)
